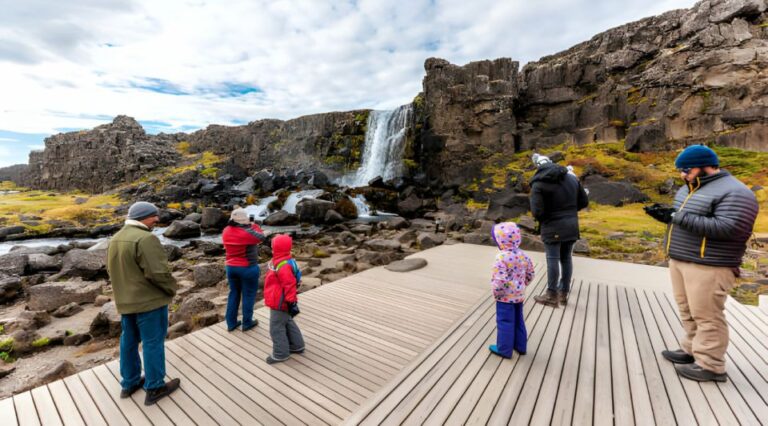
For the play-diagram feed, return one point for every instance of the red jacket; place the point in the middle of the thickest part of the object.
(280, 284)
(241, 243)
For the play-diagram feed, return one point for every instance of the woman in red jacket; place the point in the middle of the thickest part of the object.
(241, 241)
(281, 297)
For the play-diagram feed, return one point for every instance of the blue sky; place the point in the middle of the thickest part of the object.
(179, 65)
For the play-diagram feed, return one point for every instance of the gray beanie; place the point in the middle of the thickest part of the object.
(142, 210)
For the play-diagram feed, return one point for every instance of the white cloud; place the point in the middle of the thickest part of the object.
(72, 64)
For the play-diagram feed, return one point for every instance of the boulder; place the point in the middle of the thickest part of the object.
(427, 240)
(246, 186)
(397, 222)
(13, 264)
(346, 207)
(101, 300)
(21, 341)
(405, 237)
(604, 191)
(67, 310)
(333, 217)
(181, 229)
(49, 250)
(172, 252)
(526, 223)
(76, 339)
(645, 137)
(10, 230)
(479, 238)
(382, 245)
(6, 369)
(581, 247)
(407, 265)
(37, 318)
(312, 210)
(194, 217)
(281, 218)
(410, 206)
(10, 287)
(51, 296)
(506, 205)
(205, 319)
(531, 242)
(179, 329)
(169, 215)
(208, 274)
(107, 322)
(56, 371)
(40, 262)
(192, 306)
(376, 258)
(346, 238)
(84, 264)
(213, 219)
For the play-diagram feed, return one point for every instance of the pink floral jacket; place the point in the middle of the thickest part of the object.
(513, 269)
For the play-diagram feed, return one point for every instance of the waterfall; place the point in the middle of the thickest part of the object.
(384, 145)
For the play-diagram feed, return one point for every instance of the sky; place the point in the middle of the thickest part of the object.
(180, 65)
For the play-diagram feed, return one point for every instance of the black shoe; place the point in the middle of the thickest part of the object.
(678, 357)
(694, 372)
(236, 325)
(297, 351)
(271, 360)
(562, 297)
(154, 395)
(126, 393)
(549, 298)
(251, 325)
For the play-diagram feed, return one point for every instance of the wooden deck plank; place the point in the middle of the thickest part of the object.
(26, 412)
(111, 412)
(603, 399)
(8, 411)
(65, 405)
(568, 386)
(622, 393)
(583, 403)
(46, 408)
(85, 404)
(755, 332)
(129, 406)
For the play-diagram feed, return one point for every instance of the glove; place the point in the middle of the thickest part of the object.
(293, 309)
(660, 212)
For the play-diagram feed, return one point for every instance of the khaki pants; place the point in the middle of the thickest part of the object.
(700, 292)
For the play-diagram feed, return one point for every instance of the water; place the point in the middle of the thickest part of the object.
(260, 211)
(293, 199)
(384, 145)
(362, 205)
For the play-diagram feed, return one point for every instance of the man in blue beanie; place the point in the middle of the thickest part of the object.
(143, 287)
(707, 234)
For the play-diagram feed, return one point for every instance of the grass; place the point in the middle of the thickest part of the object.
(41, 342)
(50, 206)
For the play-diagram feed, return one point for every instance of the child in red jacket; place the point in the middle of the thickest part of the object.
(281, 298)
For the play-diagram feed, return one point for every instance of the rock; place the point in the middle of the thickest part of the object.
(10, 230)
(616, 236)
(246, 186)
(333, 217)
(84, 264)
(208, 274)
(506, 205)
(376, 258)
(13, 264)
(181, 229)
(646, 137)
(309, 283)
(51, 296)
(43, 262)
(346, 238)
(527, 223)
(410, 206)
(67, 310)
(603, 191)
(312, 210)
(194, 217)
(10, 288)
(531, 243)
(429, 240)
(205, 319)
(362, 229)
(723, 11)
(22, 341)
(172, 252)
(397, 222)
(406, 237)
(479, 238)
(50, 251)
(213, 219)
(209, 248)
(101, 300)
(281, 218)
(382, 245)
(6, 369)
(407, 265)
(58, 370)
(77, 339)
(38, 318)
(193, 305)
(667, 187)
(346, 208)
(581, 247)
(179, 329)
(107, 322)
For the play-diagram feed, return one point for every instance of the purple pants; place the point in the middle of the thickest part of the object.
(510, 325)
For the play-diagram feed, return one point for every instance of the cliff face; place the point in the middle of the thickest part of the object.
(12, 173)
(98, 159)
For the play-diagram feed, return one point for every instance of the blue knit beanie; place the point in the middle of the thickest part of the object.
(697, 156)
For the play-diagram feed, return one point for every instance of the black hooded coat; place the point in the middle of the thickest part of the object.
(556, 198)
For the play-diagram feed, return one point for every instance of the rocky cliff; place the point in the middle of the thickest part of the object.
(12, 173)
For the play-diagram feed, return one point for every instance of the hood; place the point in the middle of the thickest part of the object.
(281, 248)
(506, 235)
(550, 173)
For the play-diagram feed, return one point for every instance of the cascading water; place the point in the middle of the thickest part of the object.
(384, 145)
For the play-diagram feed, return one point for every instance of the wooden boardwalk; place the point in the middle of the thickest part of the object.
(411, 348)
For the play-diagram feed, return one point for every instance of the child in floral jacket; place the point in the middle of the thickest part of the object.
(512, 272)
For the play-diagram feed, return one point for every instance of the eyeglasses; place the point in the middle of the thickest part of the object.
(686, 171)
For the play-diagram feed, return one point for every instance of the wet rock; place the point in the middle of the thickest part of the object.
(209, 248)
(10, 287)
(281, 218)
(84, 264)
(67, 310)
(193, 305)
(13, 264)
(51, 296)
(407, 265)
(429, 240)
(213, 219)
(169, 215)
(311, 210)
(346, 208)
(208, 274)
(43, 262)
(49, 250)
(346, 238)
(382, 245)
(107, 322)
(181, 229)
(101, 300)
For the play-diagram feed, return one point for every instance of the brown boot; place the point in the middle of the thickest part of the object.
(563, 298)
(549, 298)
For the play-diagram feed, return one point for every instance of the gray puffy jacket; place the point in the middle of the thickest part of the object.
(714, 220)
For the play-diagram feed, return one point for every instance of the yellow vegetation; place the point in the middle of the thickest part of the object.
(56, 206)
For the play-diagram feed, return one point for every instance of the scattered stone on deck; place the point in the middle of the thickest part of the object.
(407, 265)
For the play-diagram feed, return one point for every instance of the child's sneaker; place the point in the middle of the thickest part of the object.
(495, 350)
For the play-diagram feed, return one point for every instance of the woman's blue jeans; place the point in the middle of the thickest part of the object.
(559, 255)
(243, 284)
(149, 329)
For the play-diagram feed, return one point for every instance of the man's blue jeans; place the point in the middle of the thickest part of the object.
(149, 329)
(559, 254)
(243, 283)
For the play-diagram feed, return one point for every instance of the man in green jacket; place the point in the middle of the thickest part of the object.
(143, 287)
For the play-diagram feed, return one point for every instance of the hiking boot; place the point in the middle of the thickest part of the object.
(154, 395)
(126, 393)
(271, 360)
(694, 372)
(297, 351)
(562, 297)
(235, 327)
(251, 325)
(549, 298)
(678, 357)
